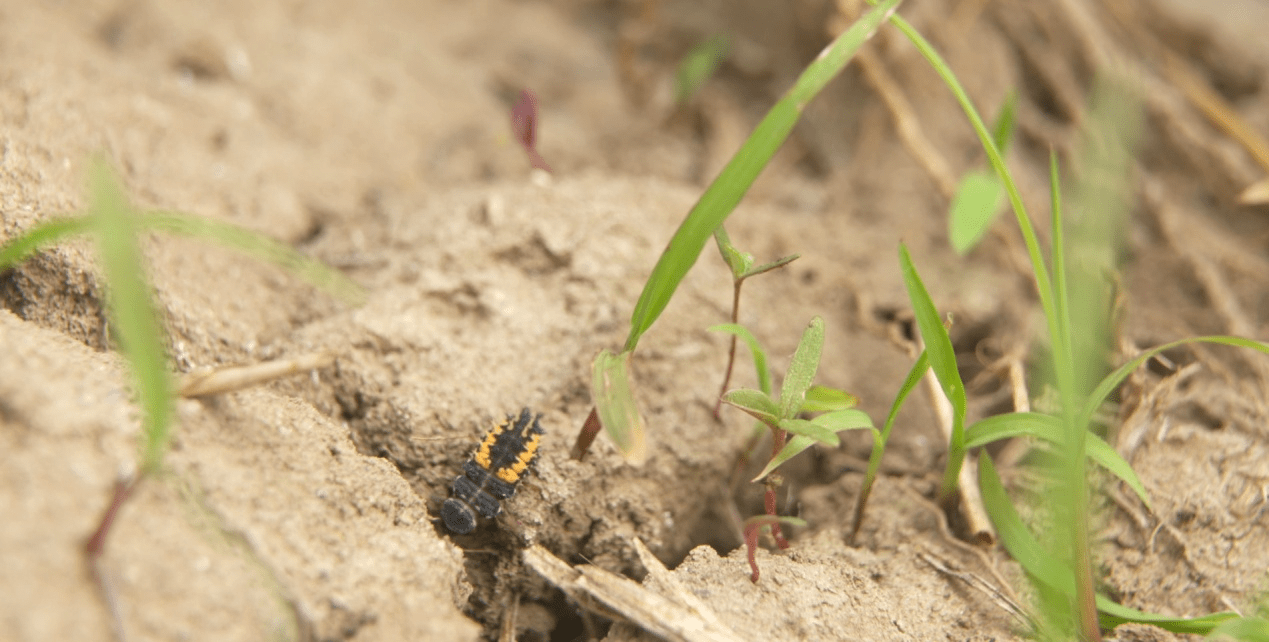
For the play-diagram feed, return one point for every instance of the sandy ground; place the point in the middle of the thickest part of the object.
(374, 136)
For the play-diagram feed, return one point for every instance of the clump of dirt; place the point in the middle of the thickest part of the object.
(376, 137)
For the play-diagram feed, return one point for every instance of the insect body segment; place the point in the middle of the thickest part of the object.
(493, 471)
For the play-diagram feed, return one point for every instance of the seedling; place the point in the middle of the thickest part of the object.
(713, 208)
(524, 125)
(742, 267)
(116, 226)
(781, 416)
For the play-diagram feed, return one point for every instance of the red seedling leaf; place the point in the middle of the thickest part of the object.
(524, 126)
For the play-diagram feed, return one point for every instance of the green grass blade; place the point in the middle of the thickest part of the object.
(1039, 564)
(994, 157)
(1002, 129)
(730, 186)
(938, 346)
(614, 401)
(132, 313)
(1244, 629)
(806, 360)
(260, 247)
(1018, 424)
(1112, 381)
(759, 356)
(231, 236)
(880, 439)
(41, 236)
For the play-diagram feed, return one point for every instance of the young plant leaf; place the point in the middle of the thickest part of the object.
(810, 429)
(974, 208)
(767, 267)
(736, 259)
(614, 400)
(698, 66)
(824, 399)
(847, 419)
(797, 443)
(1002, 129)
(755, 403)
(806, 360)
(722, 196)
(759, 357)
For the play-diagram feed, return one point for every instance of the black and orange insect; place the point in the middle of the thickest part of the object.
(491, 475)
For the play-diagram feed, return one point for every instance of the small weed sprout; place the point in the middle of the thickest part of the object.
(780, 414)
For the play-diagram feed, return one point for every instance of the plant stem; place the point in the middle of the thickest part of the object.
(590, 429)
(731, 352)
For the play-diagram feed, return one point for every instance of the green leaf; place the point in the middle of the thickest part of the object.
(823, 399)
(1017, 424)
(767, 267)
(806, 360)
(40, 236)
(1002, 129)
(755, 403)
(615, 403)
(698, 65)
(759, 357)
(738, 261)
(974, 208)
(722, 196)
(132, 313)
(795, 445)
(839, 420)
(810, 429)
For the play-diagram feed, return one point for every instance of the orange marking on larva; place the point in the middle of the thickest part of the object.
(482, 454)
(511, 474)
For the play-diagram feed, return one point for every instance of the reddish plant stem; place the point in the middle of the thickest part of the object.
(751, 545)
(123, 490)
(731, 352)
(773, 482)
(590, 429)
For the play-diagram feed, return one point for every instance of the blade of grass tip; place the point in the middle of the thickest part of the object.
(41, 236)
(260, 247)
(806, 360)
(880, 439)
(614, 400)
(938, 346)
(132, 311)
(730, 186)
(699, 65)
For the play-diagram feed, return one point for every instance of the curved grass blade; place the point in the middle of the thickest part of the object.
(730, 186)
(1048, 428)
(41, 236)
